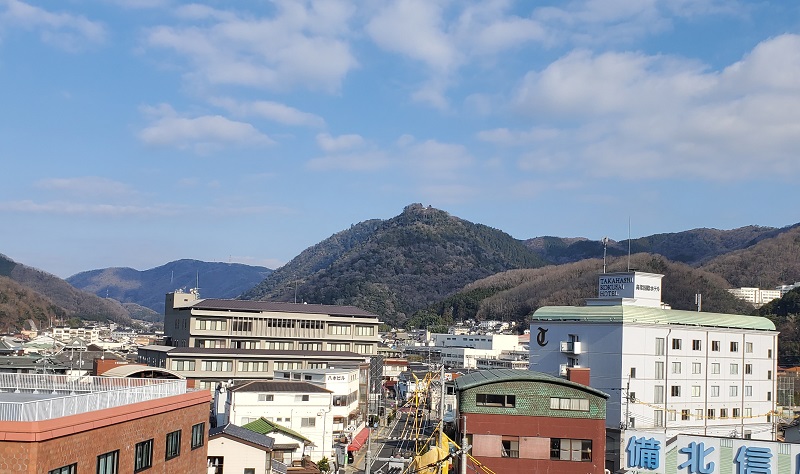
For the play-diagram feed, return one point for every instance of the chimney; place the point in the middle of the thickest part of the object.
(579, 375)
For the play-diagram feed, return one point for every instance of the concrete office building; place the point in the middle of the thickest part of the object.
(190, 321)
(666, 370)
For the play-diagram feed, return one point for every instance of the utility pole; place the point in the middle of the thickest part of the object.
(464, 447)
(368, 459)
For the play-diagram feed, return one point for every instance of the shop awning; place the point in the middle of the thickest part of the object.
(359, 440)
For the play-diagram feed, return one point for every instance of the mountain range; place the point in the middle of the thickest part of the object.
(426, 267)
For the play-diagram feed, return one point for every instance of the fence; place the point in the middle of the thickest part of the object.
(64, 395)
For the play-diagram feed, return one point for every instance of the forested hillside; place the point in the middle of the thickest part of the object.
(397, 266)
(18, 304)
(515, 294)
(74, 302)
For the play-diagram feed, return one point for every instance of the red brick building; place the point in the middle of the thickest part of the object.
(65, 425)
(520, 421)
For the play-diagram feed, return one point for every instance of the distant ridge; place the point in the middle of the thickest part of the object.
(148, 287)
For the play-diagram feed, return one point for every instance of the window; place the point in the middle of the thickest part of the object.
(301, 398)
(711, 414)
(675, 391)
(671, 416)
(182, 365)
(571, 449)
(253, 366)
(698, 413)
(210, 325)
(748, 369)
(632, 396)
(577, 404)
(510, 447)
(309, 346)
(734, 369)
(365, 330)
(198, 435)
(684, 415)
(748, 390)
(242, 326)
(723, 412)
(658, 396)
(676, 367)
(308, 422)
(71, 469)
(279, 345)
(769, 396)
(748, 347)
(696, 345)
(715, 390)
(363, 348)
(287, 366)
(244, 344)
(695, 390)
(769, 353)
(249, 470)
(769, 375)
(715, 368)
(748, 434)
(748, 412)
(143, 455)
(697, 367)
(173, 444)
(108, 463)
(733, 391)
(659, 370)
(339, 329)
(659, 346)
(734, 346)
(715, 346)
(676, 344)
(342, 346)
(490, 400)
(736, 413)
(217, 365)
(266, 397)
(658, 418)
(633, 372)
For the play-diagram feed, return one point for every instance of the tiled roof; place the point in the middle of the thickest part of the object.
(266, 306)
(236, 431)
(264, 426)
(645, 315)
(485, 377)
(279, 386)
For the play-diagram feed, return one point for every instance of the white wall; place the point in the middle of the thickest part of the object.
(238, 456)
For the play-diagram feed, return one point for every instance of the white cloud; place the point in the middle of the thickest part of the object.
(201, 134)
(301, 46)
(331, 144)
(76, 208)
(63, 30)
(504, 136)
(87, 185)
(269, 110)
(365, 161)
(639, 116)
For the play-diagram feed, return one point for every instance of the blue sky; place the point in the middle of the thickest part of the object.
(137, 132)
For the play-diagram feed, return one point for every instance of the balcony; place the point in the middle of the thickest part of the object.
(571, 347)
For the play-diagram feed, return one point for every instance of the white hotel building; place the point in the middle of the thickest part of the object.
(666, 370)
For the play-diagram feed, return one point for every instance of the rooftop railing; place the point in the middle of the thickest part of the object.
(64, 395)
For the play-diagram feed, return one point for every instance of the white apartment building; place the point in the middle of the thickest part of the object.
(465, 350)
(90, 335)
(190, 321)
(666, 370)
(300, 406)
(755, 296)
(343, 384)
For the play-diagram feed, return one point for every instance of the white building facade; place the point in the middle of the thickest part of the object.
(465, 350)
(300, 406)
(678, 372)
(343, 384)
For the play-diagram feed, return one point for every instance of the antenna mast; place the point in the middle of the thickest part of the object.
(605, 247)
(629, 243)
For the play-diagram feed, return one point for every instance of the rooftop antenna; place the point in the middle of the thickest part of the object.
(605, 247)
(629, 243)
